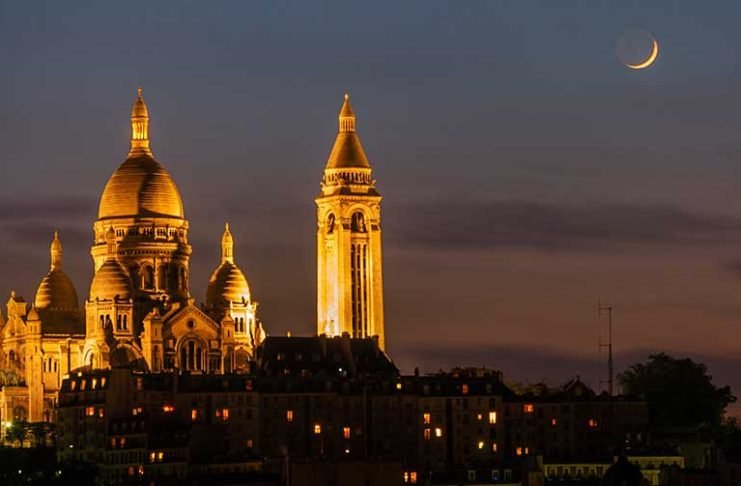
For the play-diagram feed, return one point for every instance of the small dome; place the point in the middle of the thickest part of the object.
(227, 284)
(140, 187)
(56, 291)
(33, 314)
(110, 280)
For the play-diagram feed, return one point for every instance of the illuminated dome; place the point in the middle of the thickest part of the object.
(111, 280)
(227, 283)
(56, 290)
(140, 186)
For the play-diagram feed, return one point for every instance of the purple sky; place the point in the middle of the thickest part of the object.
(526, 172)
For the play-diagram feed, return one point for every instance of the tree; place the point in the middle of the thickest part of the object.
(17, 432)
(680, 393)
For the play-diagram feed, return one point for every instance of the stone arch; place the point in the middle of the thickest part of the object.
(192, 353)
(126, 356)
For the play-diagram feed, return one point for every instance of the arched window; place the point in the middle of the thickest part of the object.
(134, 276)
(148, 278)
(118, 322)
(162, 277)
(358, 222)
(191, 356)
(330, 224)
(125, 324)
(183, 279)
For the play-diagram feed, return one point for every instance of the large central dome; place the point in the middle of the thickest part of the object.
(140, 186)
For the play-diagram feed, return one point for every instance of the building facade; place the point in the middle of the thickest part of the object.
(139, 312)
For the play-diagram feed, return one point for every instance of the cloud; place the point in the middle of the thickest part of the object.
(46, 209)
(484, 224)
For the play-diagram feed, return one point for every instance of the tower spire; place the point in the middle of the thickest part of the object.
(56, 252)
(139, 127)
(227, 246)
(347, 116)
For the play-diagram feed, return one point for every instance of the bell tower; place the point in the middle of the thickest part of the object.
(349, 263)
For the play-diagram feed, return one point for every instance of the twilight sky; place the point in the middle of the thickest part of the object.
(526, 172)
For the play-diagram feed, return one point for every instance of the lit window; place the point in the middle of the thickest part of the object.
(194, 415)
(160, 456)
(398, 386)
(527, 450)
(492, 417)
(317, 429)
(528, 408)
(152, 456)
(413, 477)
(72, 385)
(225, 414)
(406, 477)
(438, 432)
(102, 382)
(346, 432)
(83, 384)
(113, 442)
(481, 444)
(122, 443)
(289, 415)
(554, 422)
(493, 446)
(464, 389)
(479, 417)
(592, 423)
(168, 408)
(518, 451)
(95, 383)
(136, 411)
(90, 411)
(101, 413)
(427, 434)
(426, 418)
(249, 443)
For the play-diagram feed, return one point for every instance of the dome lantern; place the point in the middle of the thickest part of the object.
(227, 246)
(139, 127)
(56, 252)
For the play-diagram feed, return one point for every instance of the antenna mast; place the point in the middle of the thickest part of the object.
(601, 310)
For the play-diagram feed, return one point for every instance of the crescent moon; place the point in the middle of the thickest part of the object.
(650, 60)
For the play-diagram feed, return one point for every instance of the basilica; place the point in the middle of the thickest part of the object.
(139, 312)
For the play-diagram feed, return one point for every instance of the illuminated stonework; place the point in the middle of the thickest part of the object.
(349, 269)
(139, 312)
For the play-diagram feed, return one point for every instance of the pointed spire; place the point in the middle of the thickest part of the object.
(56, 252)
(347, 116)
(227, 246)
(110, 239)
(139, 127)
(347, 151)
